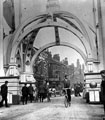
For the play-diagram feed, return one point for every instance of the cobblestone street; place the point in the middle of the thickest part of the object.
(54, 110)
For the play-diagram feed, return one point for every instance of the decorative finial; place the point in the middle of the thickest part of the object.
(52, 5)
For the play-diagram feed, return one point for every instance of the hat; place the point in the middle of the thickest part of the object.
(6, 81)
(102, 72)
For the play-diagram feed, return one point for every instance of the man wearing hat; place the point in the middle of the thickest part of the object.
(103, 88)
(4, 92)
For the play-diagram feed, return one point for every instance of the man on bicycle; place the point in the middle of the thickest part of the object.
(67, 89)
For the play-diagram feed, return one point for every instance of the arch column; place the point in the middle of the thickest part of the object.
(92, 65)
(24, 76)
(1, 39)
(12, 70)
(89, 67)
(27, 75)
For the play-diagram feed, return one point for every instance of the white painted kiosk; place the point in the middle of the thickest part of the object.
(92, 87)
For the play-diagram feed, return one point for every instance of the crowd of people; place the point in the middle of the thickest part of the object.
(34, 94)
(28, 93)
(41, 91)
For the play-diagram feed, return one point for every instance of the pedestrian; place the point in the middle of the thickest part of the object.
(4, 92)
(48, 92)
(78, 89)
(35, 94)
(24, 94)
(30, 92)
(42, 92)
(103, 88)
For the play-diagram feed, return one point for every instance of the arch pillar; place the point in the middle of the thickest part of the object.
(27, 75)
(92, 65)
(2, 73)
(12, 70)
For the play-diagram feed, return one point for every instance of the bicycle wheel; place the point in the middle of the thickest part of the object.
(66, 102)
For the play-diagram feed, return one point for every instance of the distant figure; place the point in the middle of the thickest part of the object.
(42, 92)
(35, 94)
(4, 92)
(48, 92)
(30, 92)
(78, 89)
(24, 94)
(103, 88)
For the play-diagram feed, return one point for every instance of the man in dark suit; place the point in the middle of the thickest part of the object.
(103, 88)
(24, 94)
(30, 92)
(4, 92)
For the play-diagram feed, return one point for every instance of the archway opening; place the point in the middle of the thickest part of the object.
(54, 62)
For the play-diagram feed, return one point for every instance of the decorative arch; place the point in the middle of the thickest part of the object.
(19, 33)
(51, 24)
(62, 13)
(83, 26)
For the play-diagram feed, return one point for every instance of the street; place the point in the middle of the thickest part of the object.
(54, 110)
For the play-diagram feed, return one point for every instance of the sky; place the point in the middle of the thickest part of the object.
(71, 54)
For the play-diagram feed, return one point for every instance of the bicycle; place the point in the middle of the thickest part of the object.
(66, 100)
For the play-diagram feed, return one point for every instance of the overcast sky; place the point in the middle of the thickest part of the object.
(71, 54)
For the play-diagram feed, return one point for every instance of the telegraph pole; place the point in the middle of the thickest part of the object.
(1, 39)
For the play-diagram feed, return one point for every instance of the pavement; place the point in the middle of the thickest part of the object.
(54, 110)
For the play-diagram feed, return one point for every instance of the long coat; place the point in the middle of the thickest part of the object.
(4, 90)
(103, 90)
(25, 91)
